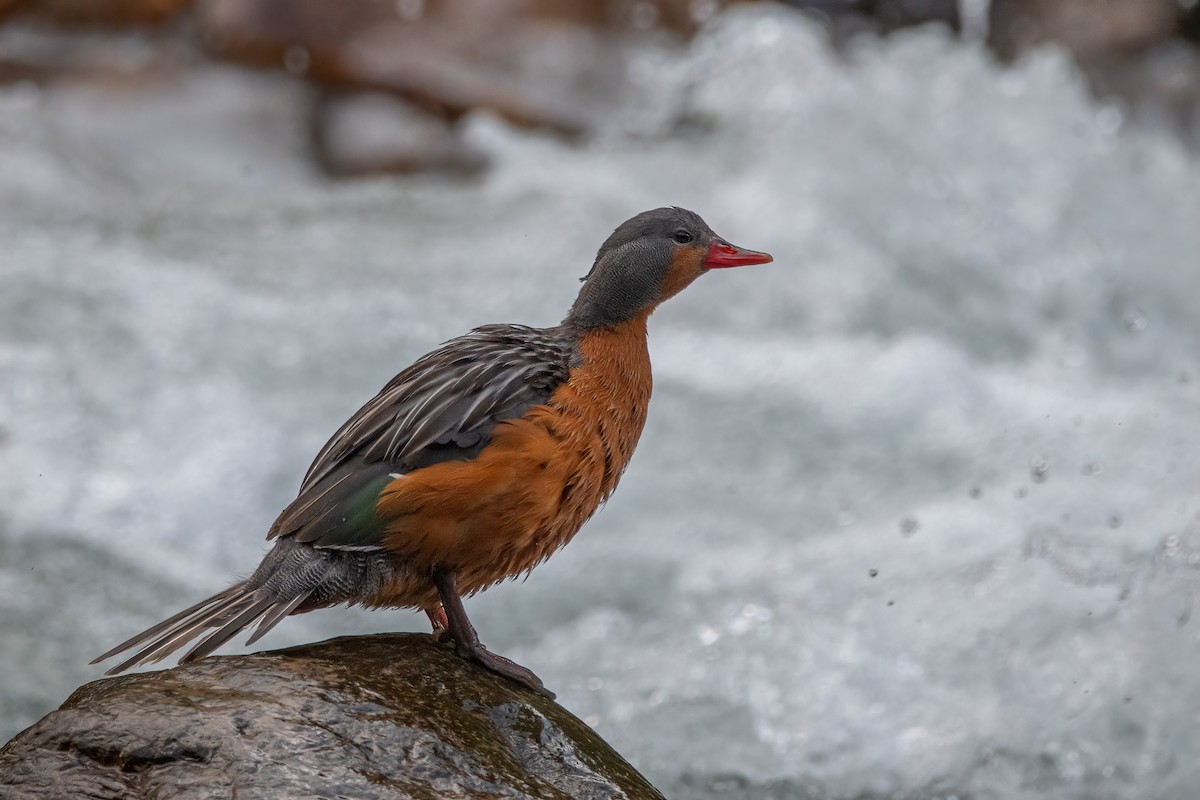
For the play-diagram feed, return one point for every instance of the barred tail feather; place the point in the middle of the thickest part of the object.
(166, 623)
(273, 617)
(254, 607)
(229, 612)
(293, 577)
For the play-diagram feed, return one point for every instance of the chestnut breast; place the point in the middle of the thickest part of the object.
(529, 491)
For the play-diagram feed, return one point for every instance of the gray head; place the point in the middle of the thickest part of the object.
(648, 259)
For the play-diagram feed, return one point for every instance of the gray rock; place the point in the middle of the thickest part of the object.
(389, 716)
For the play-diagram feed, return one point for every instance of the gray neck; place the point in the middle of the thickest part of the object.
(620, 286)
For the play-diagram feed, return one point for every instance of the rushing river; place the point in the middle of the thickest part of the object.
(916, 511)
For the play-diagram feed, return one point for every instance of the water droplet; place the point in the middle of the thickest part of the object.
(1092, 468)
(1038, 469)
(909, 525)
(872, 572)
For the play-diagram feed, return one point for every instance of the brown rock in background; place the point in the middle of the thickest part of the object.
(537, 63)
(1088, 28)
(559, 65)
(1132, 51)
(1160, 87)
(847, 18)
(91, 13)
(555, 64)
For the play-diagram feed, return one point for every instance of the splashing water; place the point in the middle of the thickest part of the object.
(866, 548)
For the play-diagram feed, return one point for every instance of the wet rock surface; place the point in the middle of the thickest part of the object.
(388, 716)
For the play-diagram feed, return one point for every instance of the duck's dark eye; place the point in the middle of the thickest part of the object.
(683, 237)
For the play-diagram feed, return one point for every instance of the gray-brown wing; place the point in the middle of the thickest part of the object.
(442, 408)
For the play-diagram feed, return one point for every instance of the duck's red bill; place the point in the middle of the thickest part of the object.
(723, 254)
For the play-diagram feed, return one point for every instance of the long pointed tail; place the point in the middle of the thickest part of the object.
(292, 577)
(230, 612)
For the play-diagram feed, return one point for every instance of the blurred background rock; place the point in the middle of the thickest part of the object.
(389, 80)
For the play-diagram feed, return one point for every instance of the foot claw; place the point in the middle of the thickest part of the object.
(509, 669)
